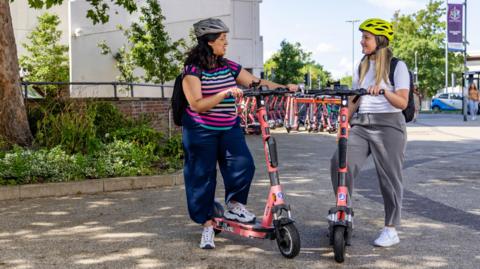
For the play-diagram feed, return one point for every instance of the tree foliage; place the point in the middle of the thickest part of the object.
(47, 59)
(287, 63)
(152, 48)
(99, 11)
(149, 48)
(424, 32)
(291, 63)
(125, 63)
(316, 71)
(347, 80)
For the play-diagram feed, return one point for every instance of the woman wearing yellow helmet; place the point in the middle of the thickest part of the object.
(379, 128)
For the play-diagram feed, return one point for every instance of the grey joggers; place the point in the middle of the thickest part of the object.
(384, 137)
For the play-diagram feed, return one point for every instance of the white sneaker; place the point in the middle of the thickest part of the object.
(237, 211)
(208, 235)
(388, 237)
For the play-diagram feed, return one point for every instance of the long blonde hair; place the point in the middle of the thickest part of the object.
(383, 55)
(472, 86)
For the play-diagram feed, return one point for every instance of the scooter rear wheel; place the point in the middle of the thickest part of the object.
(288, 241)
(339, 243)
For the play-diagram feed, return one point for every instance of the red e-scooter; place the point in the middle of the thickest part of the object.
(340, 217)
(277, 223)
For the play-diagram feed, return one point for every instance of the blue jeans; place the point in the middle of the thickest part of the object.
(473, 108)
(205, 148)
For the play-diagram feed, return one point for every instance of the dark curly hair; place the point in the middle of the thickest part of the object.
(202, 54)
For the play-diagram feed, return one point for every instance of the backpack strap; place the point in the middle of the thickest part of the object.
(393, 65)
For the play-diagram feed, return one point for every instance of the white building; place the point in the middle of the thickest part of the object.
(473, 61)
(88, 65)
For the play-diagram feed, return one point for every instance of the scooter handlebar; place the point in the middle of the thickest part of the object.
(341, 92)
(261, 92)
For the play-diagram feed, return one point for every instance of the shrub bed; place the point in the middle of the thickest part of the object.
(93, 140)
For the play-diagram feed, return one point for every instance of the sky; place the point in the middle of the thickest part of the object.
(320, 26)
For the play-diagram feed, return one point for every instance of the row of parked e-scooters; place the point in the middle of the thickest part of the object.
(277, 222)
(294, 111)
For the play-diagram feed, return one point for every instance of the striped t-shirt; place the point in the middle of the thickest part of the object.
(222, 116)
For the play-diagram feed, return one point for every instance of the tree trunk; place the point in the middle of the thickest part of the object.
(13, 116)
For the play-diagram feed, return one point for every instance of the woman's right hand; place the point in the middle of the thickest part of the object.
(374, 90)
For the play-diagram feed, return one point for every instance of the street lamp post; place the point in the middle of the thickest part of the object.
(353, 44)
(465, 43)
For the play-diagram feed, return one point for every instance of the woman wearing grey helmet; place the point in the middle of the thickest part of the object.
(211, 131)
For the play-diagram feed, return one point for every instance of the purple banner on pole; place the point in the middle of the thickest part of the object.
(455, 27)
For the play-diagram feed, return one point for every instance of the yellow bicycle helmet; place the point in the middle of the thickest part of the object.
(378, 27)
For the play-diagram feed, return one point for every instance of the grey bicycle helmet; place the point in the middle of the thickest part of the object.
(210, 26)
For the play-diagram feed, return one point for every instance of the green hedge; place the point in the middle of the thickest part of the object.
(120, 158)
(83, 141)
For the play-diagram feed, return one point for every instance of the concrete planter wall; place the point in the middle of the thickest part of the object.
(89, 186)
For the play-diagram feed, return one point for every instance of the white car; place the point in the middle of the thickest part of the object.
(447, 101)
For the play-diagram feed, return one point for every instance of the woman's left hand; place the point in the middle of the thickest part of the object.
(292, 87)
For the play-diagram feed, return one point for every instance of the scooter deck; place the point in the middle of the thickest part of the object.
(253, 229)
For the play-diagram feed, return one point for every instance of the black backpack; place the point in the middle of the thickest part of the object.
(179, 101)
(409, 111)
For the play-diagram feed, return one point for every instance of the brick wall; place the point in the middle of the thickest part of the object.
(155, 108)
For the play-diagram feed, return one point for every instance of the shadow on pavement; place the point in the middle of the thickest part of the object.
(422, 205)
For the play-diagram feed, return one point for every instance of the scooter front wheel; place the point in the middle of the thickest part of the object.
(288, 240)
(339, 243)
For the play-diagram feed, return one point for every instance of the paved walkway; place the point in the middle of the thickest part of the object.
(150, 228)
